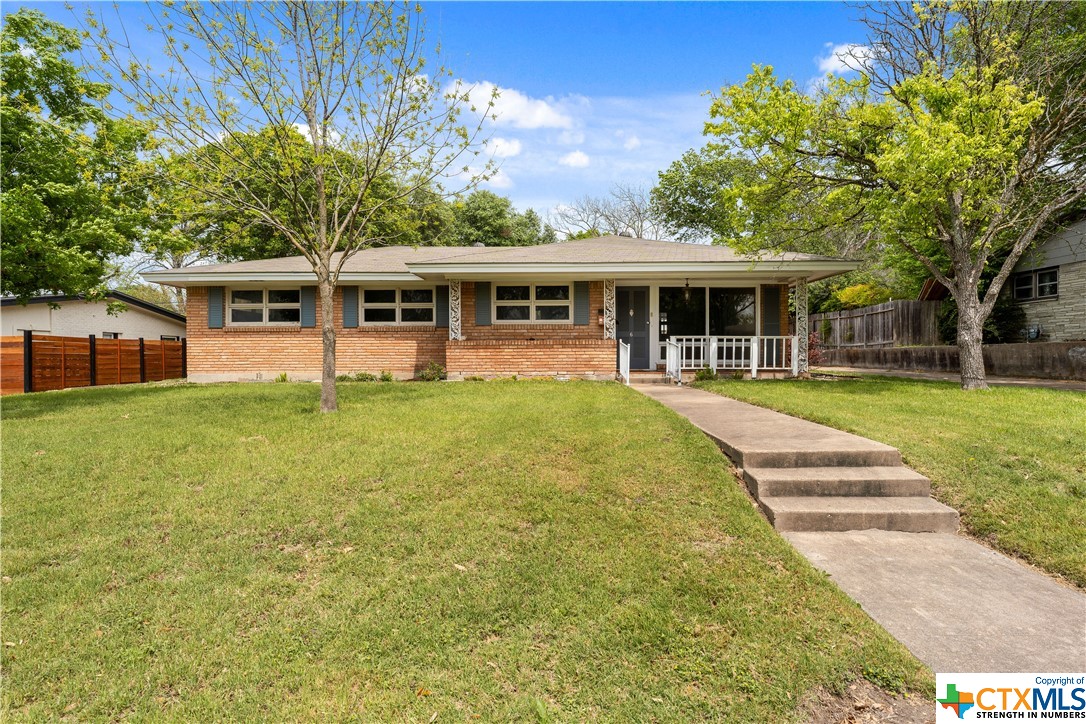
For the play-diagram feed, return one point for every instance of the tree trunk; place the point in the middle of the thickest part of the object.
(329, 400)
(970, 340)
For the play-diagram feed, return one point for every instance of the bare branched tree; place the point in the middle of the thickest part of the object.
(316, 120)
(626, 210)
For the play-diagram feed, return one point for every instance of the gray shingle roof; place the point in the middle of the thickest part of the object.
(600, 250)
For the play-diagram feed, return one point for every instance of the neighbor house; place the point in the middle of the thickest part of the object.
(73, 316)
(1049, 283)
(585, 308)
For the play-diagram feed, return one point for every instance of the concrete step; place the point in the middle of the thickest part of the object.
(780, 454)
(840, 513)
(877, 481)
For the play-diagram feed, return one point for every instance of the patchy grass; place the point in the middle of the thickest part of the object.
(526, 551)
(1012, 460)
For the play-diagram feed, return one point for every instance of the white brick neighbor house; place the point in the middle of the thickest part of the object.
(68, 316)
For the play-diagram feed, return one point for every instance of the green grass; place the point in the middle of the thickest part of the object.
(526, 551)
(1012, 460)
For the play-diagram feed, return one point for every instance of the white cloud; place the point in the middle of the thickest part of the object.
(843, 58)
(576, 159)
(571, 138)
(503, 147)
(632, 143)
(513, 108)
(500, 180)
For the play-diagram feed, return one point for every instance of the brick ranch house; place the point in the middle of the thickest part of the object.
(587, 308)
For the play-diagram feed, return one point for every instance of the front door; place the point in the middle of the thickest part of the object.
(632, 323)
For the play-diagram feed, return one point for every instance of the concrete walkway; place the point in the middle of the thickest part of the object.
(1076, 385)
(957, 605)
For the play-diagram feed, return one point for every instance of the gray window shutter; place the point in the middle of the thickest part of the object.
(214, 307)
(309, 306)
(580, 303)
(350, 307)
(441, 306)
(482, 304)
(771, 310)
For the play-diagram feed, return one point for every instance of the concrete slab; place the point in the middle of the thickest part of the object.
(830, 513)
(958, 606)
(757, 437)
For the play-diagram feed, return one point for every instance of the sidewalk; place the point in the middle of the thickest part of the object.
(957, 605)
(1077, 385)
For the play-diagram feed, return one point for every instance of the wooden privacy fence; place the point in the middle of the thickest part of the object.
(35, 363)
(900, 323)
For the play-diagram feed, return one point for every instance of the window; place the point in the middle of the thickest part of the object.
(111, 335)
(528, 303)
(170, 338)
(398, 306)
(265, 306)
(1037, 284)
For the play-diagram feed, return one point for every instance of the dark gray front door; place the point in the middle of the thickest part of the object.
(632, 323)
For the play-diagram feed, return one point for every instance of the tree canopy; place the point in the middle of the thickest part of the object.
(70, 196)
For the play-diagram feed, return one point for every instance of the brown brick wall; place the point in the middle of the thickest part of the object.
(260, 352)
(542, 357)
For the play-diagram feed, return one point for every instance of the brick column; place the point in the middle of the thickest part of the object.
(455, 320)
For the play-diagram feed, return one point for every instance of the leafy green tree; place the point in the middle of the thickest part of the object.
(961, 140)
(70, 199)
(351, 77)
(484, 217)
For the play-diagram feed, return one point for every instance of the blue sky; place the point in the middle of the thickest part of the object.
(599, 93)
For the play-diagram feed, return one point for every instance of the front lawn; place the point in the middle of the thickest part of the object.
(503, 550)
(1012, 460)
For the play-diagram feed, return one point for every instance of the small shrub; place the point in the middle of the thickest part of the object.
(344, 378)
(365, 377)
(386, 376)
(282, 377)
(738, 375)
(433, 373)
(704, 375)
(474, 378)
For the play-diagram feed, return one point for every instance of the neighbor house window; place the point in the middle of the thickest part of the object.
(398, 306)
(265, 306)
(170, 338)
(526, 303)
(111, 335)
(1038, 284)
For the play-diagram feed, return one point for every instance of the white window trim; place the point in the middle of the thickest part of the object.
(532, 304)
(398, 306)
(264, 306)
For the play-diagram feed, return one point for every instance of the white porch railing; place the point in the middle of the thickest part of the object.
(734, 353)
(624, 361)
(673, 362)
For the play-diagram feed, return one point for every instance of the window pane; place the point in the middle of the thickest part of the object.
(514, 294)
(551, 314)
(731, 312)
(514, 313)
(246, 296)
(1023, 286)
(682, 311)
(1047, 283)
(379, 315)
(552, 293)
(411, 314)
(289, 314)
(242, 316)
(284, 296)
(416, 296)
(379, 296)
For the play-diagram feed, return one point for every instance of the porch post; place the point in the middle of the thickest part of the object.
(802, 369)
(609, 309)
(454, 310)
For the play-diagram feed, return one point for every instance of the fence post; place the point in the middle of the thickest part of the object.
(143, 363)
(162, 349)
(184, 358)
(93, 361)
(754, 358)
(28, 360)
